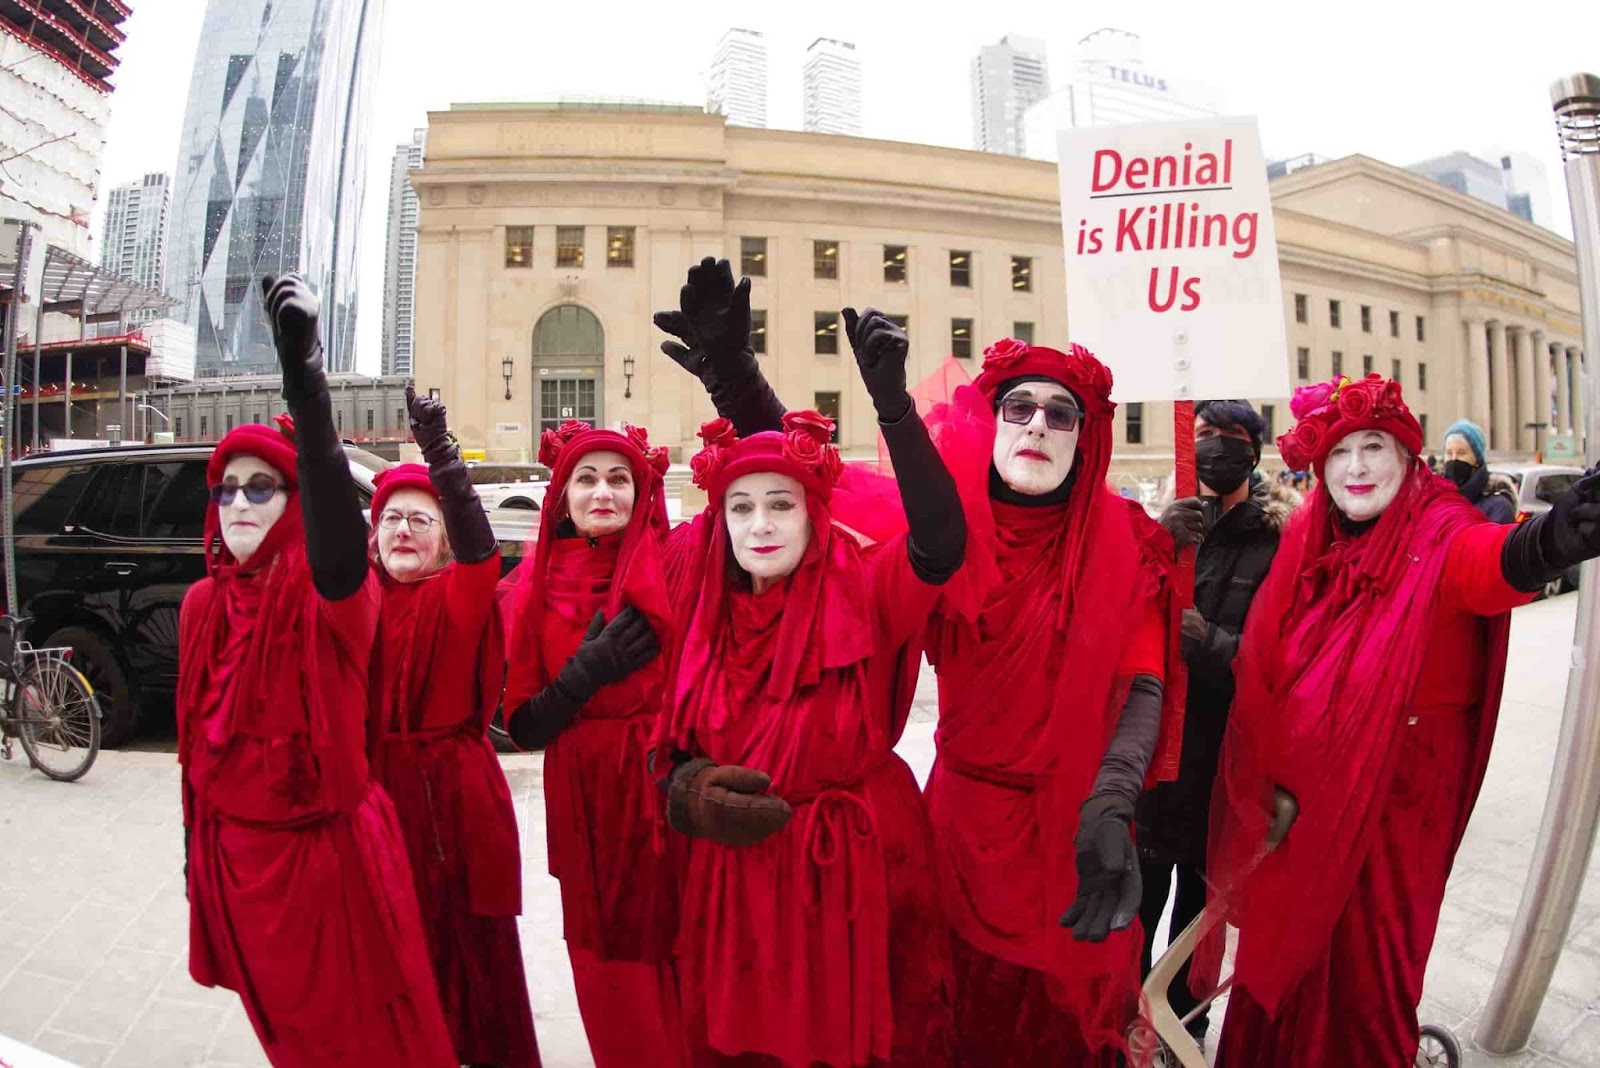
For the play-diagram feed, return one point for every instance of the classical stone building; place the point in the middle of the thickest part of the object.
(548, 234)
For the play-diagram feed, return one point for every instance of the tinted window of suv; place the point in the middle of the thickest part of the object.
(175, 500)
(45, 496)
(111, 504)
(1553, 485)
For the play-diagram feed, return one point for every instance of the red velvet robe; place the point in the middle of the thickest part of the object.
(436, 680)
(1349, 996)
(300, 892)
(821, 945)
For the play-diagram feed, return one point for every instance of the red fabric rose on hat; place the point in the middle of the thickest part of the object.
(802, 448)
(816, 424)
(551, 442)
(285, 423)
(658, 459)
(1007, 352)
(705, 464)
(1356, 402)
(718, 431)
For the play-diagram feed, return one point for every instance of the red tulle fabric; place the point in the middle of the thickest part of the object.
(1035, 645)
(1328, 667)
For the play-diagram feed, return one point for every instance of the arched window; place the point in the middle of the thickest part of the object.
(568, 330)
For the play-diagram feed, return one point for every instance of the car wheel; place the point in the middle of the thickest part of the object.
(521, 503)
(93, 656)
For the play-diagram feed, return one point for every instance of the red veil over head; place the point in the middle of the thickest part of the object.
(1328, 665)
(634, 575)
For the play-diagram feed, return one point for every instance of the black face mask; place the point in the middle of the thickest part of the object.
(1224, 463)
(1458, 471)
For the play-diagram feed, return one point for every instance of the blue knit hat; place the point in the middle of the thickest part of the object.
(1472, 433)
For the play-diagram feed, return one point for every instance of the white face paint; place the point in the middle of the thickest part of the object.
(244, 522)
(1364, 472)
(768, 525)
(406, 554)
(1031, 457)
(600, 493)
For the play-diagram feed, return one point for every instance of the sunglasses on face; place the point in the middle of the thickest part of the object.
(416, 522)
(258, 489)
(1058, 415)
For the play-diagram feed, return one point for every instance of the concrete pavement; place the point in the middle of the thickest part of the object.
(93, 922)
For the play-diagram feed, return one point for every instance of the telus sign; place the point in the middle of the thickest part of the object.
(1136, 77)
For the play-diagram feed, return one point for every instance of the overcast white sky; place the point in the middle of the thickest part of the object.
(1390, 79)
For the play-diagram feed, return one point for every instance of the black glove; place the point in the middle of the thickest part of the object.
(1544, 547)
(1194, 628)
(880, 349)
(609, 653)
(1185, 520)
(293, 309)
(713, 324)
(429, 428)
(1109, 885)
(725, 803)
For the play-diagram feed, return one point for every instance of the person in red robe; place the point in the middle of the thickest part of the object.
(437, 672)
(1369, 681)
(810, 932)
(590, 617)
(1051, 650)
(300, 893)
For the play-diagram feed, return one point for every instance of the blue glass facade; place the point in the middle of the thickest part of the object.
(271, 171)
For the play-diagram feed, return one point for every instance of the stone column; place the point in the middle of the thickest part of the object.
(1563, 390)
(1579, 374)
(1540, 351)
(1502, 411)
(1523, 349)
(1477, 374)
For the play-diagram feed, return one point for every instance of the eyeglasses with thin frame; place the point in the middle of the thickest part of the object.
(258, 489)
(416, 522)
(1058, 415)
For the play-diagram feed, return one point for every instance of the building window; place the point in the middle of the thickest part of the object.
(1366, 364)
(827, 326)
(1422, 378)
(256, 418)
(902, 321)
(338, 418)
(1303, 362)
(519, 246)
(961, 338)
(961, 268)
(177, 426)
(1338, 364)
(205, 428)
(399, 421)
(1269, 414)
(758, 330)
(228, 419)
(1366, 319)
(894, 263)
(1422, 329)
(1333, 313)
(825, 259)
(1395, 367)
(1135, 424)
(1300, 307)
(1394, 324)
(619, 246)
(369, 420)
(1423, 420)
(753, 257)
(1022, 274)
(1023, 332)
(827, 404)
(569, 246)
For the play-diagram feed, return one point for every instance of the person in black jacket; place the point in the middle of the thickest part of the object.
(1489, 492)
(1235, 521)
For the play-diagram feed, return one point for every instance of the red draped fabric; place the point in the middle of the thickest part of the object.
(300, 891)
(1369, 683)
(436, 677)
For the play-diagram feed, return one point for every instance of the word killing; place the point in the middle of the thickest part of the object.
(1169, 225)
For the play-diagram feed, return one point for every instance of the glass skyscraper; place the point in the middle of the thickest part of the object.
(271, 171)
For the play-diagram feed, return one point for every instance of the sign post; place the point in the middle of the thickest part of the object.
(1172, 277)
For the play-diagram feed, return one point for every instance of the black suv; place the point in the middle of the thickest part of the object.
(108, 541)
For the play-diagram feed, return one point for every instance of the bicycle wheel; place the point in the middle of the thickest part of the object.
(58, 719)
(1438, 1049)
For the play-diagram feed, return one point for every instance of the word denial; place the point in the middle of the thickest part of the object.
(1173, 223)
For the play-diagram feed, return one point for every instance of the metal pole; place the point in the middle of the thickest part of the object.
(38, 356)
(1571, 812)
(24, 248)
(66, 401)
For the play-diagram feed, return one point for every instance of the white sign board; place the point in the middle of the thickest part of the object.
(1172, 259)
(508, 428)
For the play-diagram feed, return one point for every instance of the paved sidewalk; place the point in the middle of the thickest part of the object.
(93, 923)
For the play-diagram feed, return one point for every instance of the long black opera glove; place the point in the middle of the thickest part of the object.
(472, 539)
(938, 541)
(336, 534)
(1544, 547)
(608, 653)
(748, 401)
(1133, 744)
(535, 723)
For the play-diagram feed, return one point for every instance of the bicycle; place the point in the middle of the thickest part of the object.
(46, 704)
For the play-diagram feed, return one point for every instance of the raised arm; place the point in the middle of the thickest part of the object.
(336, 535)
(938, 527)
(467, 524)
(712, 325)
